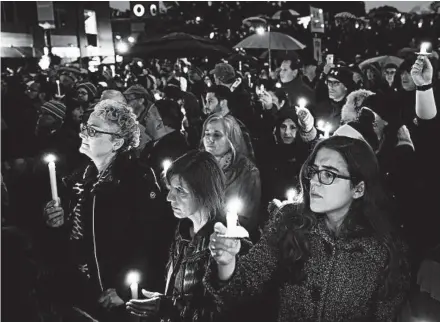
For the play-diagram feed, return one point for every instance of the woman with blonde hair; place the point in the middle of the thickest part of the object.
(223, 138)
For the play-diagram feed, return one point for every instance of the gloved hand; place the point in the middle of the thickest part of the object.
(305, 119)
(422, 71)
(403, 137)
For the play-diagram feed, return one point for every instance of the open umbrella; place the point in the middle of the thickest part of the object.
(345, 15)
(285, 14)
(381, 61)
(272, 41)
(178, 44)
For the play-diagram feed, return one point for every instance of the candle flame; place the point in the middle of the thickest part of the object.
(50, 158)
(291, 194)
(235, 205)
(302, 102)
(133, 277)
(166, 164)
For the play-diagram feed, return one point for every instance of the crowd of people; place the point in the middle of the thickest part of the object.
(326, 160)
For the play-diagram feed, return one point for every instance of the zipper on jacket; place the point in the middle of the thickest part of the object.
(94, 245)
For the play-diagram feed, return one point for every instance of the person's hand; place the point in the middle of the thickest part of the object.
(305, 118)
(59, 97)
(223, 250)
(327, 68)
(422, 71)
(145, 307)
(107, 74)
(110, 299)
(266, 100)
(53, 215)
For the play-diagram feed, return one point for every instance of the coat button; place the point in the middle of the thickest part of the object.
(152, 195)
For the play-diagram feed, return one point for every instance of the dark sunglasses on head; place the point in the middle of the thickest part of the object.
(91, 132)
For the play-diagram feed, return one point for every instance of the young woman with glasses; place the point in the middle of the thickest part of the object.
(333, 257)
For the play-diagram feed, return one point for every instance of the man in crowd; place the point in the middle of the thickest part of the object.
(292, 81)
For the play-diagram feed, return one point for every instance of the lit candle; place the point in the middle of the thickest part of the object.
(166, 164)
(291, 194)
(133, 280)
(50, 159)
(233, 208)
(302, 102)
(58, 87)
(327, 130)
(424, 47)
(249, 80)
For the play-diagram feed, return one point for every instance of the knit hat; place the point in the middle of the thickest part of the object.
(361, 129)
(55, 108)
(352, 107)
(173, 92)
(344, 75)
(139, 91)
(384, 106)
(170, 112)
(90, 88)
(224, 72)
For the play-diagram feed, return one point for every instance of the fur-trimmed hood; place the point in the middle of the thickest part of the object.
(351, 110)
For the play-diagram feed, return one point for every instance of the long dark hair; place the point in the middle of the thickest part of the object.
(205, 179)
(371, 211)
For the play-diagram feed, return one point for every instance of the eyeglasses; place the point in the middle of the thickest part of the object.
(332, 83)
(325, 177)
(91, 132)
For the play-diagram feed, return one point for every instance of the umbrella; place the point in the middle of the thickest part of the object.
(251, 21)
(278, 41)
(285, 14)
(382, 61)
(345, 15)
(178, 44)
(422, 10)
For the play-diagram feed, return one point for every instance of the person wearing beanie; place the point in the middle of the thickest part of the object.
(240, 100)
(162, 124)
(353, 105)
(87, 95)
(294, 135)
(52, 117)
(362, 128)
(340, 84)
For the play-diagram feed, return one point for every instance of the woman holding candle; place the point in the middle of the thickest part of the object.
(196, 193)
(223, 138)
(111, 204)
(334, 256)
(294, 138)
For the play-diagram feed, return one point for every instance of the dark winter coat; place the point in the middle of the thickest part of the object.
(124, 225)
(343, 276)
(297, 89)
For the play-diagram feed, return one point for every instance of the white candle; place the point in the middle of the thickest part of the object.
(133, 280)
(50, 159)
(134, 287)
(58, 87)
(233, 208)
(327, 130)
(291, 194)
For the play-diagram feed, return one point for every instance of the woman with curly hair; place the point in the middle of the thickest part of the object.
(333, 255)
(106, 208)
